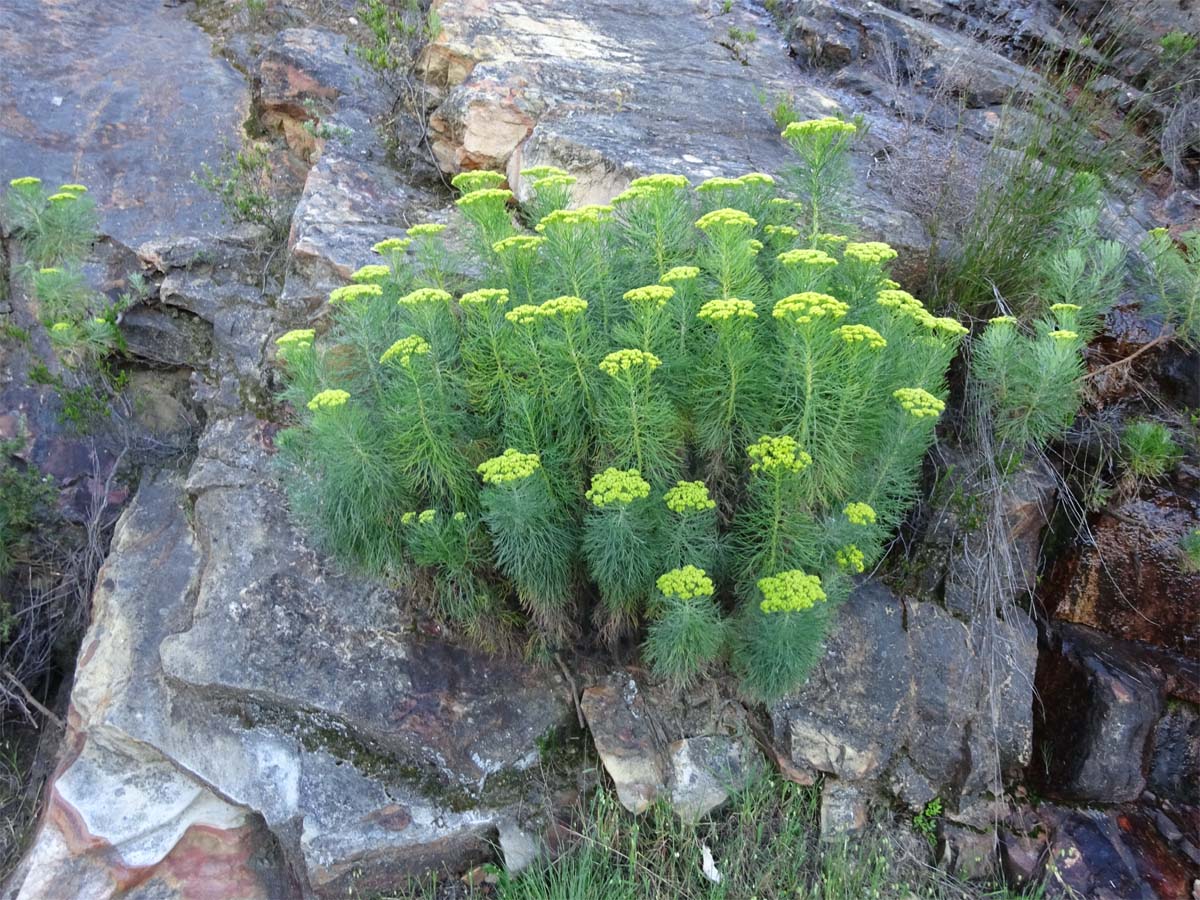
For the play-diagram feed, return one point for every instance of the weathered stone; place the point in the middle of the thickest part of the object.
(166, 337)
(843, 809)
(706, 770)
(967, 853)
(628, 739)
(1100, 708)
(1175, 754)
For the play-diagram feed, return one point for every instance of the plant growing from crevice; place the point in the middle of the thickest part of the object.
(693, 410)
(1148, 451)
(243, 182)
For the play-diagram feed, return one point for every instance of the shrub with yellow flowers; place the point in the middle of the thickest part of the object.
(693, 414)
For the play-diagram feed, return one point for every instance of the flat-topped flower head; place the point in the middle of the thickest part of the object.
(889, 284)
(806, 256)
(295, 342)
(901, 301)
(403, 350)
(659, 182)
(617, 487)
(328, 400)
(409, 518)
(859, 513)
(717, 183)
(1064, 335)
(761, 179)
(485, 297)
(352, 293)
(565, 307)
(511, 465)
(1065, 308)
(483, 196)
(685, 583)
(869, 252)
(427, 517)
(777, 455)
(1002, 320)
(919, 403)
(370, 274)
(945, 325)
(851, 559)
(652, 296)
(782, 231)
(755, 247)
(626, 360)
(591, 214)
(535, 173)
(553, 181)
(424, 295)
(63, 197)
(727, 309)
(808, 306)
(790, 591)
(73, 188)
(688, 497)
(862, 335)
(811, 128)
(459, 517)
(518, 243)
(61, 327)
(392, 245)
(680, 273)
(470, 182)
(426, 229)
(725, 218)
(25, 181)
(50, 271)
(525, 314)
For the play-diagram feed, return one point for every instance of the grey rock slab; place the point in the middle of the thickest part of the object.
(707, 770)
(126, 98)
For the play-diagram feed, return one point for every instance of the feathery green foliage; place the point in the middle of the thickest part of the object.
(686, 378)
(1148, 450)
(1173, 271)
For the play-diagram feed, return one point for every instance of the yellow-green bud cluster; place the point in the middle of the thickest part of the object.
(623, 360)
(427, 517)
(688, 497)
(61, 327)
(392, 245)
(553, 181)
(919, 402)
(526, 243)
(292, 343)
(473, 182)
(591, 214)
(408, 518)
(783, 231)
(425, 295)
(1002, 320)
(1065, 308)
(652, 295)
(859, 513)
(945, 325)
(862, 334)
(805, 307)
(757, 178)
(485, 296)
(870, 252)
(405, 349)
(1064, 335)
(755, 247)
(660, 181)
(511, 465)
(370, 274)
(790, 591)
(426, 229)
(565, 306)
(716, 184)
(483, 196)
(826, 125)
(686, 583)
(329, 399)
(536, 173)
(777, 455)
(525, 314)
(725, 218)
(851, 559)
(63, 197)
(680, 273)
(352, 293)
(617, 486)
(25, 181)
(902, 302)
(728, 308)
(73, 188)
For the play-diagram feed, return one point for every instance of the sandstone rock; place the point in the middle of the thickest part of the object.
(843, 809)
(706, 770)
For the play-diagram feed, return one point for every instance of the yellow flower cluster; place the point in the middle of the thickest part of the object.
(565, 306)
(726, 309)
(944, 325)
(888, 284)
(652, 295)
(802, 308)
(536, 173)
(761, 178)
(408, 518)
(425, 295)
(353, 292)
(511, 465)
(680, 273)
(784, 231)
(686, 583)
(472, 182)
(552, 181)
(869, 252)
(426, 229)
(902, 302)
(370, 274)
(617, 486)
(777, 455)
(649, 185)
(919, 402)
(623, 360)
(826, 125)
(293, 342)
(591, 214)
(790, 591)
(73, 188)
(525, 314)
(484, 296)
(1065, 308)
(725, 218)
(50, 270)
(755, 246)
(523, 242)
(482, 196)
(392, 245)
(859, 513)
(865, 334)
(60, 327)
(427, 517)
(405, 349)
(851, 559)
(1002, 320)
(716, 184)
(688, 496)
(1063, 335)
(330, 399)
(26, 181)
(63, 197)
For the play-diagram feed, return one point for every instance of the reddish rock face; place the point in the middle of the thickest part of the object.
(1131, 583)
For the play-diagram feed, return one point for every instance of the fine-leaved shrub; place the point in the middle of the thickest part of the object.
(1148, 450)
(1174, 282)
(695, 409)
